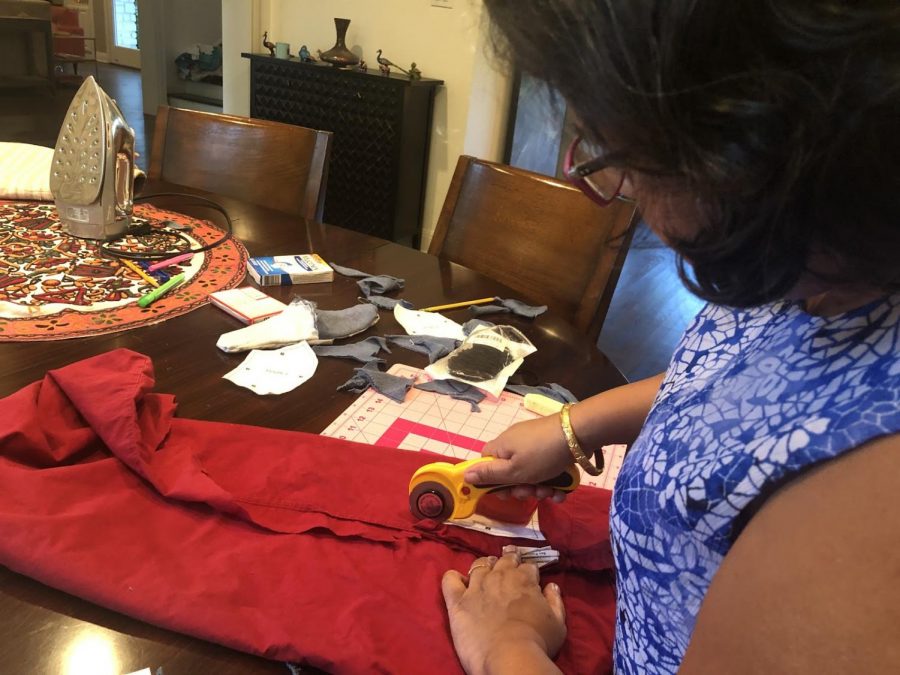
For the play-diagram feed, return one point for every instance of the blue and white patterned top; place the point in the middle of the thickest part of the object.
(751, 398)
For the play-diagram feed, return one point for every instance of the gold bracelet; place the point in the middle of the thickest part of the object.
(574, 445)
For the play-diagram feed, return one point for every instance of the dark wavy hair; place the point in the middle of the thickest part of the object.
(780, 117)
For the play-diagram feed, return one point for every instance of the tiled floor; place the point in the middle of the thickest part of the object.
(649, 310)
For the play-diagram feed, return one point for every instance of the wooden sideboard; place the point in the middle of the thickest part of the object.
(382, 132)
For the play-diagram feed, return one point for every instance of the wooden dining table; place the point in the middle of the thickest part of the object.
(43, 630)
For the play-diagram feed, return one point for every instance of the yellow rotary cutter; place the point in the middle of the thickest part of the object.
(439, 491)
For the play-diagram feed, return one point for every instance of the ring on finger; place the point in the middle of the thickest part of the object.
(475, 567)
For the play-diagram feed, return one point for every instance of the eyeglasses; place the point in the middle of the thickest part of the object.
(586, 168)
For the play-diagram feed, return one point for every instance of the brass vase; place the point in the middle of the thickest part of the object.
(339, 55)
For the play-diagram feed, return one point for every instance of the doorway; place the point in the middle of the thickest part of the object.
(123, 35)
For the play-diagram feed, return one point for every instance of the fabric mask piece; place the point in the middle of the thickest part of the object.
(458, 390)
(341, 323)
(432, 346)
(474, 324)
(517, 307)
(363, 351)
(392, 386)
(371, 283)
(296, 323)
(384, 302)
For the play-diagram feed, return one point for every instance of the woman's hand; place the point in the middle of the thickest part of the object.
(527, 453)
(499, 618)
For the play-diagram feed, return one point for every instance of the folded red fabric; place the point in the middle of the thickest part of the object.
(289, 545)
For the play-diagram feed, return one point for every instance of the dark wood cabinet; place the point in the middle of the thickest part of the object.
(382, 131)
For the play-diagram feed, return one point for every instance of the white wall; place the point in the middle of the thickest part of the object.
(239, 21)
(448, 44)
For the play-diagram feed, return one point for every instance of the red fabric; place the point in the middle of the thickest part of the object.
(289, 545)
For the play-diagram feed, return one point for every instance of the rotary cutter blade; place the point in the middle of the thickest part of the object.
(438, 491)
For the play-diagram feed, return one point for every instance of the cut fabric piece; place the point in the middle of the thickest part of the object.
(341, 323)
(295, 323)
(363, 351)
(433, 346)
(474, 324)
(555, 391)
(281, 552)
(517, 307)
(458, 390)
(392, 386)
(384, 302)
(371, 283)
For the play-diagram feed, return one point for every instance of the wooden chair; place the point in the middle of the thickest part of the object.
(537, 235)
(282, 166)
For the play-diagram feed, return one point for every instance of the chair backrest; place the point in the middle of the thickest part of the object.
(537, 235)
(282, 166)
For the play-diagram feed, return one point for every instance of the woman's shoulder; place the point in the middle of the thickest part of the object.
(812, 575)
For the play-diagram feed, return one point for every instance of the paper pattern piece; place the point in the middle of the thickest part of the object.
(427, 323)
(275, 371)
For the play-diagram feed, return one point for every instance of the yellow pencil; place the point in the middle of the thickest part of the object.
(141, 273)
(455, 305)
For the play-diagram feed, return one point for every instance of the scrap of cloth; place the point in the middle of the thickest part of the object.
(379, 284)
(434, 346)
(283, 551)
(384, 302)
(456, 390)
(392, 386)
(509, 305)
(363, 351)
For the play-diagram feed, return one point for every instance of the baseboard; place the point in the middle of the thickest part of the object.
(102, 57)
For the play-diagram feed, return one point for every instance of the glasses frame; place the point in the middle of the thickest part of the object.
(577, 175)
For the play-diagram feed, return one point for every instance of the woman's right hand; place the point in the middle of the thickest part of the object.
(526, 453)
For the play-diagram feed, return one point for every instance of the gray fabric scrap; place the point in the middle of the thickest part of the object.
(348, 271)
(555, 391)
(433, 346)
(392, 386)
(334, 324)
(458, 390)
(380, 284)
(472, 324)
(362, 351)
(371, 283)
(517, 307)
(384, 302)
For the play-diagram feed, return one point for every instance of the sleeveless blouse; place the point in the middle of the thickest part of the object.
(750, 399)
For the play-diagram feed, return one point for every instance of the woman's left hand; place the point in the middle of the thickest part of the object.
(499, 618)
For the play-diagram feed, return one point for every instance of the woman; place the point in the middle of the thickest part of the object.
(755, 521)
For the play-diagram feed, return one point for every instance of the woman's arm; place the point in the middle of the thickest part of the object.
(532, 451)
(812, 585)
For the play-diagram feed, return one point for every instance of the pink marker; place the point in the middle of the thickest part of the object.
(171, 261)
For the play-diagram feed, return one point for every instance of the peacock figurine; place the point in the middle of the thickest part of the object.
(385, 64)
(268, 45)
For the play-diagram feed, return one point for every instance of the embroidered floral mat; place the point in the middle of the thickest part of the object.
(54, 286)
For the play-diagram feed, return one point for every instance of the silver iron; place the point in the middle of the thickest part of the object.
(92, 175)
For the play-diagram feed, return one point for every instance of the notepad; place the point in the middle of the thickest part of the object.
(247, 304)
